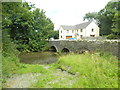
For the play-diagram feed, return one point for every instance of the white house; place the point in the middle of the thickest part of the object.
(86, 29)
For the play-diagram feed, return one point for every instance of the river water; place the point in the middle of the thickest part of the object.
(38, 58)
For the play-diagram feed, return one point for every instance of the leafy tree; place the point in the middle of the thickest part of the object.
(107, 18)
(27, 28)
(116, 21)
(90, 16)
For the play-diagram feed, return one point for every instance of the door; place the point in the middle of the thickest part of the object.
(67, 37)
(92, 35)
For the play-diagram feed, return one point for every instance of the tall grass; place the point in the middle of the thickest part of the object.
(10, 60)
(93, 70)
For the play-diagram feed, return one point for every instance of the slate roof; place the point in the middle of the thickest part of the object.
(78, 26)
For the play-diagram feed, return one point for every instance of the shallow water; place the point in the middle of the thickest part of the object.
(38, 58)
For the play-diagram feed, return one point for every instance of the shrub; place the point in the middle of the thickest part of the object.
(112, 36)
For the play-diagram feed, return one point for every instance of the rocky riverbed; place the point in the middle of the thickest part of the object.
(29, 79)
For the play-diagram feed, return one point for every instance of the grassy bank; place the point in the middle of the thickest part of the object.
(97, 70)
(93, 70)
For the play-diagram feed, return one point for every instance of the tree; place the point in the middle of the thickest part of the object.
(27, 28)
(105, 17)
(116, 21)
(90, 16)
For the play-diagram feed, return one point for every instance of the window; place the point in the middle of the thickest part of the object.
(72, 31)
(92, 35)
(61, 31)
(67, 31)
(61, 36)
(81, 30)
(77, 31)
(92, 30)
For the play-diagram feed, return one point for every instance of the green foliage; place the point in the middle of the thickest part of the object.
(0, 69)
(10, 61)
(94, 71)
(43, 80)
(116, 24)
(111, 36)
(9, 65)
(90, 16)
(27, 68)
(54, 34)
(8, 49)
(108, 18)
(27, 28)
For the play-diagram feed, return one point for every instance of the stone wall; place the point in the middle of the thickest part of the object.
(110, 46)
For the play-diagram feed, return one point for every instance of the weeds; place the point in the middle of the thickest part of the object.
(94, 71)
(28, 68)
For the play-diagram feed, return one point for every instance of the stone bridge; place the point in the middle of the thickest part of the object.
(109, 46)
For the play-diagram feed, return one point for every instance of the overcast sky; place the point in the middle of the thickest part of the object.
(68, 12)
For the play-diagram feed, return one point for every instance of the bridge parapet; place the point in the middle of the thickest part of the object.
(110, 46)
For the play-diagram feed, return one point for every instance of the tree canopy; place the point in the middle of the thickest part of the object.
(108, 18)
(27, 26)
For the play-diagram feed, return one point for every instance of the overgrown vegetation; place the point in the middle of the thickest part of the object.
(28, 68)
(10, 61)
(94, 70)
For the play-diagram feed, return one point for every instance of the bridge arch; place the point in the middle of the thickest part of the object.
(53, 49)
(83, 50)
(65, 50)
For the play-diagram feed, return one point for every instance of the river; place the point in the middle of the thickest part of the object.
(38, 58)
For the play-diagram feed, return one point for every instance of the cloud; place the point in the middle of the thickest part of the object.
(68, 12)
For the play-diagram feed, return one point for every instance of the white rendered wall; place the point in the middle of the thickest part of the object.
(89, 28)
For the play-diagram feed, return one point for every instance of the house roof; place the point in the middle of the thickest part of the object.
(68, 27)
(78, 26)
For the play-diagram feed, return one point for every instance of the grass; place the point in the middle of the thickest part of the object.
(97, 70)
(94, 70)
(10, 65)
(54, 79)
(0, 60)
(28, 68)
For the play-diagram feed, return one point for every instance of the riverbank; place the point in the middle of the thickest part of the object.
(70, 71)
(40, 76)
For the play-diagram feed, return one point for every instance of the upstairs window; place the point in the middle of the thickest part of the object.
(67, 31)
(61, 31)
(72, 31)
(77, 31)
(81, 30)
(92, 30)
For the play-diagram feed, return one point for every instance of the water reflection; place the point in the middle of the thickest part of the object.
(38, 58)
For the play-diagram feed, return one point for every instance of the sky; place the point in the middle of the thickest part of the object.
(68, 12)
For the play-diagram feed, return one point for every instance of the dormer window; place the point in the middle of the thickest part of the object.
(92, 30)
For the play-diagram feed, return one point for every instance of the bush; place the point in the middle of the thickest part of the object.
(112, 36)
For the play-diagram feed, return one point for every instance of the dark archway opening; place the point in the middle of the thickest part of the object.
(53, 49)
(82, 51)
(65, 50)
